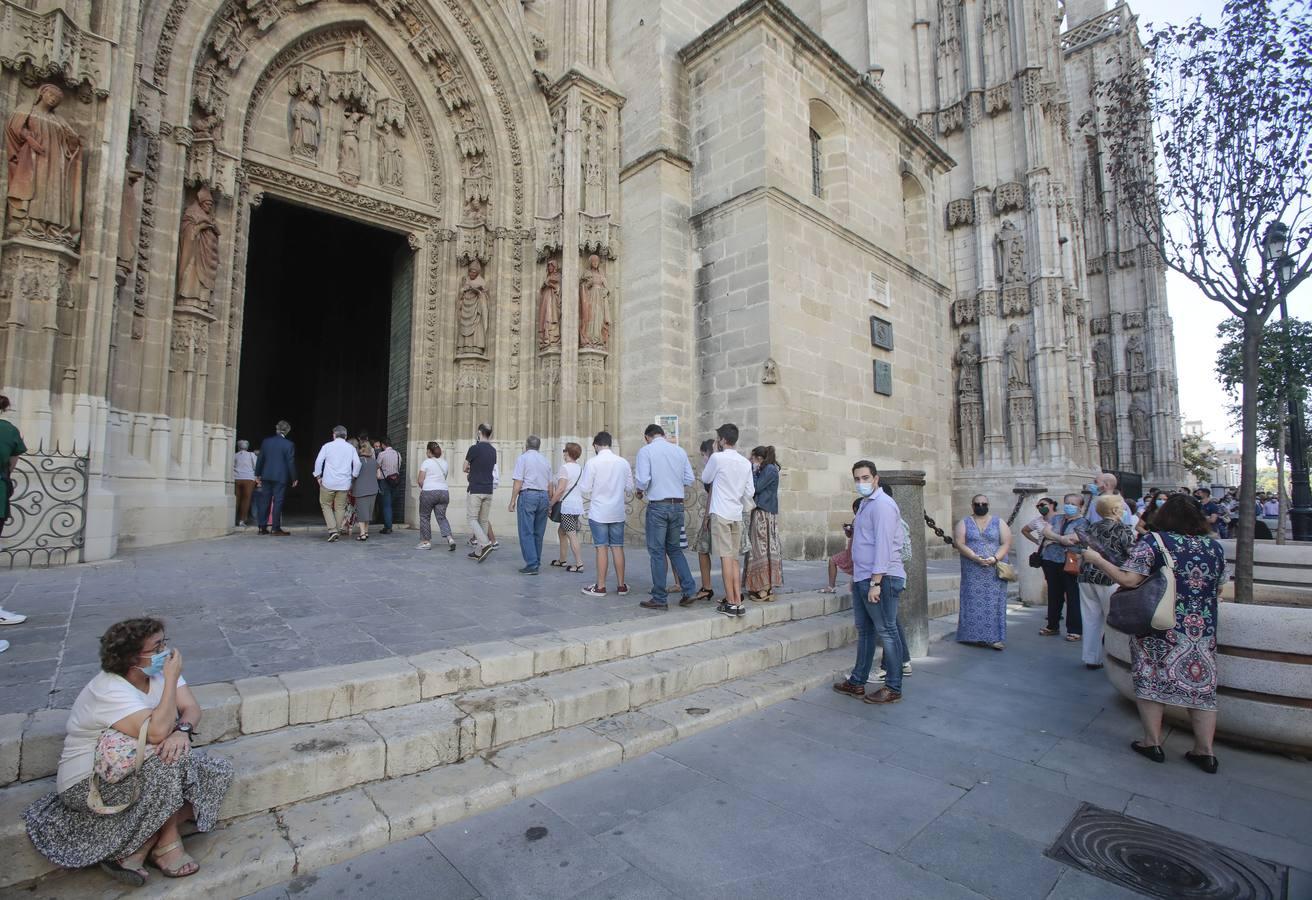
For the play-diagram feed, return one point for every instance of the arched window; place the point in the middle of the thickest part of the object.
(817, 165)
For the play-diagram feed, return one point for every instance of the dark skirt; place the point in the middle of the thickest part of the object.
(71, 835)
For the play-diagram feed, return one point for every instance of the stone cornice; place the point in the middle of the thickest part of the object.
(660, 154)
(775, 12)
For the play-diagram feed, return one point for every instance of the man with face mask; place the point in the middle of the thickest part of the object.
(878, 578)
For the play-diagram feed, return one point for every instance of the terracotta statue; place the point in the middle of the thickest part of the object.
(45, 171)
(1018, 364)
(549, 308)
(968, 363)
(198, 251)
(305, 123)
(594, 306)
(472, 311)
(390, 160)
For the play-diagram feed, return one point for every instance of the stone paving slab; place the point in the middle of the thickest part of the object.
(824, 797)
(245, 605)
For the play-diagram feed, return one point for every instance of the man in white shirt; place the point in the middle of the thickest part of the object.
(532, 477)
(335, 469)
(730, 475)
(607, 482)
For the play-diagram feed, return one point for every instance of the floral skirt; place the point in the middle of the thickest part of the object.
(765, 560)
(69, 834)
(1178, 668)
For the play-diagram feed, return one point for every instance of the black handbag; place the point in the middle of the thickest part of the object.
(1036, 558)
(554, 513)
(1148, 608)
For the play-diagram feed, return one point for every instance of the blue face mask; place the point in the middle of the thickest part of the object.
(1070, 509)
(865, 489)
(1160, 502)
(156, 666)
(1093, 488)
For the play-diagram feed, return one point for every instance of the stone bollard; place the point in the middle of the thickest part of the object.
(1033, 586)
(907, 487)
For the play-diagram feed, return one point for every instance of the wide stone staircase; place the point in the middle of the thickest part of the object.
(333, 762)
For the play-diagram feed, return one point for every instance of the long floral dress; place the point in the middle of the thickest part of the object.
(1178, 667)
(983, 615)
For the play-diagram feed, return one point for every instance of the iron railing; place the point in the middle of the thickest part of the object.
(47, 510)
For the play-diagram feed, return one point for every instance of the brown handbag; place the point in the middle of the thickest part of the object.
(1073, 562)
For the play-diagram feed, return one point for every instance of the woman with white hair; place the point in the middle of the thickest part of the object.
(1113, 538)
(243, 481)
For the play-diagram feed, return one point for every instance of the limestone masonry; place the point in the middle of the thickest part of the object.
(856, 229)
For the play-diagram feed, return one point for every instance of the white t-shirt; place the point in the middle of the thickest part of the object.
(434, 474)
(571, 505)
(607, 480)
(106, 699)
(730, 475)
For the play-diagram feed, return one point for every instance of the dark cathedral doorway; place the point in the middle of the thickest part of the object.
(325, 335)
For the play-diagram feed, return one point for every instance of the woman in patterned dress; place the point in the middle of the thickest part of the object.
(982, 540)
(1176, 667)
(141, 679)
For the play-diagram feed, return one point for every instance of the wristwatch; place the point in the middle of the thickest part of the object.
(188, 729)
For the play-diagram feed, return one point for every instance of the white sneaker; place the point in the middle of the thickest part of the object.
(878, 677)
(11, 618)
(424, 545)
(4, 645)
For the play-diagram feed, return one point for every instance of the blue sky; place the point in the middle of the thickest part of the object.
(1196, 317)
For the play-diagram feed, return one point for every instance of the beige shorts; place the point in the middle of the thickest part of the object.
(726, 536)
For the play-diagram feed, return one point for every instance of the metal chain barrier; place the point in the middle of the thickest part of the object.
(933, 526)
(1021, 494)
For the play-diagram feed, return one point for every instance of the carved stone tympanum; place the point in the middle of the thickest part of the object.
(594, 306)
(472, 312)
(45, 171)
(198, 253)
(549, 308)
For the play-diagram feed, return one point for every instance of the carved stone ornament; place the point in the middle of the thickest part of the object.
(44, 153)
(969, 399)
(951, 119)
(1011, 247)
(1009, 196)
(769, 371)
(997, 99)
(1107, 454)
(549, 308)
(198, 253)
(1020, 419)
(348, 147)
(965, 311)
(598, 235)
(38, 46)
(305, 84)
(547, 239)
(1015, 300)
(987, 303)
(472, 312)
(961, 212)
(473, 243)
(1134, 356)
(1134, 320)
(1099, 325)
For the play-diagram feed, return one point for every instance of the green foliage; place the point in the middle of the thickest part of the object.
(1285, 360)
(1198, 456)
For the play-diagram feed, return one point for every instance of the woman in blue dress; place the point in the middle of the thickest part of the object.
(982, 540)
(1176, 667)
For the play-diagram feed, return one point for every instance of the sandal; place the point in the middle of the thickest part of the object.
(179, 871)
(558, 564)
(128, 875)
(998, 645)
(578, 568)
(828, 590)
(1072, 638)
(704, 594)
(1048, 632)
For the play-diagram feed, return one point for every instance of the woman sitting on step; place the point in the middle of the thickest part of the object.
(128, 778)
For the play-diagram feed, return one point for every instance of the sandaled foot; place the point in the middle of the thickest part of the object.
(124, 872)
(827, 590)
(1048, 632)
(178, 865)
(1072, 638)
(1155, 753)
(998, 645)
(574, 568)
(558, 564)
(703, 594)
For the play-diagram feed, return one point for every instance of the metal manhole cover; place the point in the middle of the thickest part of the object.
(1159, 862)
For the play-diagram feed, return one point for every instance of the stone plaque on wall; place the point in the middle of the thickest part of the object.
(883, 378)
(881, 333)
(878, 290)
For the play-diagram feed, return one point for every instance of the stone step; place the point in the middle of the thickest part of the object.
(31, 743)
(295, 763)
(246, 855)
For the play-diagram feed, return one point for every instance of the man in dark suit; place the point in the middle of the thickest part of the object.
(274, 470)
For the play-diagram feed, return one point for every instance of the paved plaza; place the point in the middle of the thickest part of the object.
(954, 793)
(247, 605)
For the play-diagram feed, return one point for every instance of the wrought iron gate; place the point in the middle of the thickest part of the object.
(47, 510)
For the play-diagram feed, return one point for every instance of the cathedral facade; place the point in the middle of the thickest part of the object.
(855, 229)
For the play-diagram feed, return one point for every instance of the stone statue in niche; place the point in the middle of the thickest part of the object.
(1107, 435)
(594, 307)
(967, 360)
(1102, 363)
(391, 171)
(1139, 425)
(549, 308)
(305, 125)
(129, 227)
(1012, 243)
(348, 148)
(44, 196)
(198, 252)
(1017, 350)
(1134, 357)
(472, 311)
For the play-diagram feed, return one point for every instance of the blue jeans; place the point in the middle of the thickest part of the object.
(664, 521)
(270, 493)
(385, 501)
(878, 620)
(531, 515)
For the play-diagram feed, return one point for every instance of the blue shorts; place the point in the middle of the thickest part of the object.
(607, 534)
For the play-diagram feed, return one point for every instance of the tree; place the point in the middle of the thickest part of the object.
(1274, 377)
(1198, 456)
(1209, 143)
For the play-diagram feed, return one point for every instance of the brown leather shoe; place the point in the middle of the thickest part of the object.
(281, 533)
(883, 695)
(847, 687)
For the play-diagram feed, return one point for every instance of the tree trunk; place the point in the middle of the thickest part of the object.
(1248, 464)
(1280, 485)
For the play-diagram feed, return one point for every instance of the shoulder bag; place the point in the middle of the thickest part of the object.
(117, 757)
(1149, 607)
(1036, 558)
(554, 513)
(1073, 558)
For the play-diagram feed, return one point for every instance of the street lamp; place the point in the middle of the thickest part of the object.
(1274, 245)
